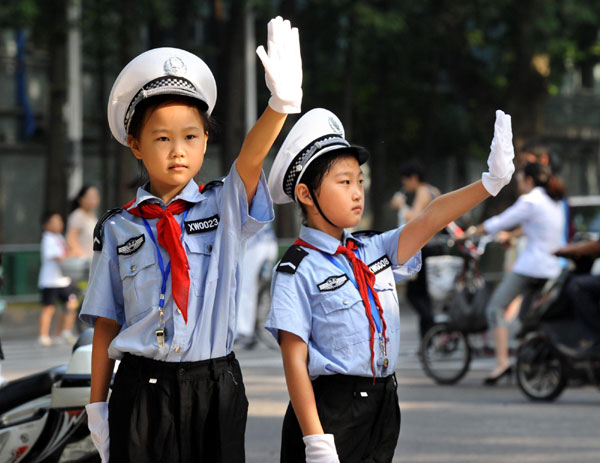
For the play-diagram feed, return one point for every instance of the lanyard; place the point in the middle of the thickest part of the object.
(373, 306)
(164, 271)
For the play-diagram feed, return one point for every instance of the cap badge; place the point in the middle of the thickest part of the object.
(175, 66)
(334, 125)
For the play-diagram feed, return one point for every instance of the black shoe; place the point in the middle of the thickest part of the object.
(492, 380)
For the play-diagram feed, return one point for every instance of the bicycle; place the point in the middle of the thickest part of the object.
(457, 285)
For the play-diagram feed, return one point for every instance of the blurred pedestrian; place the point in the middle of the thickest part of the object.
(54, 286)
(164, 289)
(81, 223)
(422, 193)
(334, 305)
(541, 213)
(261, 252)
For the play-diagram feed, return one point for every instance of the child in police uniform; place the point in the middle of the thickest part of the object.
(162, 292)
(334, 305)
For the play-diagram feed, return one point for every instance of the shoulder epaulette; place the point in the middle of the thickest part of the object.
(366, 233)
(291, 259)
(100, 226)
(210, 185)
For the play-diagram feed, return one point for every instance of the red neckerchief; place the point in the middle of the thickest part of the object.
(365, 280)
(169, 237)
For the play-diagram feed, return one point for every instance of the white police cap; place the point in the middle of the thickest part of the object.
(159, 71)
(318, 132)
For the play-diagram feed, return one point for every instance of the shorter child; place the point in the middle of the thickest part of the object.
(54, 286)
(334, 308)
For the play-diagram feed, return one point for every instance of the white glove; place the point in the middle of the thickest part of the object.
(502, 152)
(98, 425)
(320, 448)
(283, 66)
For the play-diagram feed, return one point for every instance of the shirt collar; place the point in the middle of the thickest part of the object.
(323, 241)
(190, 194)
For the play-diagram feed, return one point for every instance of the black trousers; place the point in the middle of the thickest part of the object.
(363, 417)
(178, 412)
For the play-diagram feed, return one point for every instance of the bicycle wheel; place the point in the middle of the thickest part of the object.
(541, 372)
(262, 311)
(445, 354)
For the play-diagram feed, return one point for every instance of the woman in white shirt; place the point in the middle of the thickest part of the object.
(541, 213)
(81, 222)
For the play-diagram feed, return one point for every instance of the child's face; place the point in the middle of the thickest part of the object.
(341, 194)
(55, 224)
(171, 145)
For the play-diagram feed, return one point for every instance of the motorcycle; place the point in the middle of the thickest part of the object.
(42, 416)
(549, 357)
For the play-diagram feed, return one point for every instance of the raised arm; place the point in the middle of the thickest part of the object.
(283, 74)
(451, 206)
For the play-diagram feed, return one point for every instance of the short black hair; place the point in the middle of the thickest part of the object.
(315, 172)
(409, 169)
(149, 105)
(46, 215)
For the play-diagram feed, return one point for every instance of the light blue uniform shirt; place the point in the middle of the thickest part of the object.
(125, 277)
(319, 304)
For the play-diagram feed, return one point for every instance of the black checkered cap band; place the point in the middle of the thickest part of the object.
(297, 166)
(160, 86)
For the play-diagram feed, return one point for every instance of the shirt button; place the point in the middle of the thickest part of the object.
(178, 311)
(345, 302)
(133, 267)
(177, 349)
(210, 247)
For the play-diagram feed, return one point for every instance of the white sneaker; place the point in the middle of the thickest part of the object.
(45, 341)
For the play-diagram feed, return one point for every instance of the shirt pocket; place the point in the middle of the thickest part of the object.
(342, 312)
(199, 251)
(388, 298)
(141, 281)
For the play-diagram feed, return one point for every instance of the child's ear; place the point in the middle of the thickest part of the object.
(303, 195)
(134, 146)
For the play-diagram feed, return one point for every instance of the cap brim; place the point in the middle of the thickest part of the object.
(360, 153)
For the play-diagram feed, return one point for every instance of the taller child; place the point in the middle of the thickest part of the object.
(163, 289)
(334, 307)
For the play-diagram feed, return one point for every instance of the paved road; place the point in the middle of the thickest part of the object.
(459, 424)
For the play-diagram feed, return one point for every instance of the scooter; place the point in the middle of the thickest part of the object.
(549, 357)
(42, 416)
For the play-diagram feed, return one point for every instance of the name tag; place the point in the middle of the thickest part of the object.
(202, 225)
(380, 265)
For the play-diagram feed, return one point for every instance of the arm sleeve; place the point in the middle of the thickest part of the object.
(104, 296)
(510, 218)
(234, 208)
(290, 307)
(388, 241)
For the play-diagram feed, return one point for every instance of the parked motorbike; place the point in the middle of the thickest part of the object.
(42, 416)
(550, 357)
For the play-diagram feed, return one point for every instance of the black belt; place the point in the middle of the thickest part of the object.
(159, 369)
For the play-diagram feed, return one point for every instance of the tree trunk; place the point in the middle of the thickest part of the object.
(55, 197)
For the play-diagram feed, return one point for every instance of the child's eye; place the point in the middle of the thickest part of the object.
(361, 181)
(345, 182)
(190, 137)
(162, 139)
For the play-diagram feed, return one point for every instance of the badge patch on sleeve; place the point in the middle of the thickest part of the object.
(202, 225)
(380, 264)
(333, 282)
(131, 246)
